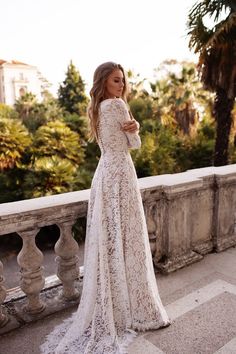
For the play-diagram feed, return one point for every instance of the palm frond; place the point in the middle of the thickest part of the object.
(224, 32)
(198, 32)
(199, 35)
(216, 46)
(212, 8)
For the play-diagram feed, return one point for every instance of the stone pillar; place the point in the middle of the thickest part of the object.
(32, 281)
(3, 293)
(225, 210)
(202, 213)
(151, 219)
(153, 207)
(66, 250)
(180, 201)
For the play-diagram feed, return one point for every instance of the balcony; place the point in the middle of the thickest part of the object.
(189, 215)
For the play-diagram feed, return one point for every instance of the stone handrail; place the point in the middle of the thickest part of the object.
(188, 215)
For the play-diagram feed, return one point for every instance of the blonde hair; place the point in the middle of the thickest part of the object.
(98, 93)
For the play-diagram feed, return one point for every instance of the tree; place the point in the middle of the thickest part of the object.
(71, 93)
(49, 175)
(15, 153)
(217, 63)
(35, 114)
(178, 95)
(136, 86)
(58, 156)
(56, 138)
(78, 124)
(14, 143)
(160, 145)
(197, 151)
(25, 104)
(7, 111)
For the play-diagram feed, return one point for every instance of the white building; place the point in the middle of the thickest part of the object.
(17, 78)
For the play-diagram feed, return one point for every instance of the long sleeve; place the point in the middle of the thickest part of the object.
(122, 115)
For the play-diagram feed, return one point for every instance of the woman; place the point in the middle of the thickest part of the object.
(120, 293)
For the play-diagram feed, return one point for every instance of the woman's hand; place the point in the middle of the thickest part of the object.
(132, 126)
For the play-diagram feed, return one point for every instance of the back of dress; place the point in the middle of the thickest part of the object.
(113, 114)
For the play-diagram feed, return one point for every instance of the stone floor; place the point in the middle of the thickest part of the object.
(200, 299)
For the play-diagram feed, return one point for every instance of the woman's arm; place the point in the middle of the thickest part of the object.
(132, 126)
(129, 126)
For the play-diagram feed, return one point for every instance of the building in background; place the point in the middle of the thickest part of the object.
(17, 78)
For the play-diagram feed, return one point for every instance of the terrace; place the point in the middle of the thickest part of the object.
(191, 217)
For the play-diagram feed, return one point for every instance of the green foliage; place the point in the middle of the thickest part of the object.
(7, 111)
(11, 184)
(157, 155)
(56, 138)
(79, 230)
(200, 149)
(92, 155)
(78, 124)
(179, 97)
(82, 178)
(136, 86)
(14, 143)
(71, 93)
(142, 108)
(57, 157)
(15, 154)
(232, 144)
(25, 104)
(51, 175)
(217, 63)
(34, 114)
(166, 150)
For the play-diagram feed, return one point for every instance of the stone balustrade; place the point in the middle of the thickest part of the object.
(188, 215)
(3, 293)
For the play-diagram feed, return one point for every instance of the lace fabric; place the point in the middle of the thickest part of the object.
(120, 293)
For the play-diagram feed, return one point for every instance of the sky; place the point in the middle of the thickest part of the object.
(139, 34)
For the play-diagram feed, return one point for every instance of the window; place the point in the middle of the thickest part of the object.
(22, 91)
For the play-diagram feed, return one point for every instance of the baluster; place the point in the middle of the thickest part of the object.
(32, 280)
(150, 214)
(66, 250)
(3, 293)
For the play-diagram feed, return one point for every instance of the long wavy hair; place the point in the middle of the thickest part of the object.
(98, 93)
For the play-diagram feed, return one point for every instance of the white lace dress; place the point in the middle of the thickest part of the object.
(120, 293)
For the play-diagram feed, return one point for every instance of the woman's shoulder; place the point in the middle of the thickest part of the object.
(113, 102)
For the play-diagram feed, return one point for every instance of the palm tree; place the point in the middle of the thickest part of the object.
(24, 105)
(217, 62)
(136, 86)
(7, 112)
(49, 175)
(56, 138)
(15, 140)
(179, 95)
